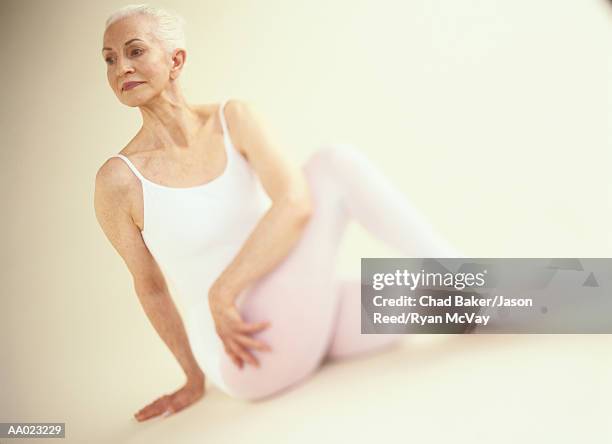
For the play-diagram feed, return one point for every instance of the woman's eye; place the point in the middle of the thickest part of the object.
(109, 61)
(136, 52)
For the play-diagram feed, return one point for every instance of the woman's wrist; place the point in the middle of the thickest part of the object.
(221, 293)
(195, 378)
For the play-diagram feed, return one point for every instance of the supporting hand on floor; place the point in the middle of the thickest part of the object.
(234, 331)
(192, 391)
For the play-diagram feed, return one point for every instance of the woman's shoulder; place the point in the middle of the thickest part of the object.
(239, 115)
(208, 110)
(115, 174)
(226, 116)
(209, 114)
(231, 106)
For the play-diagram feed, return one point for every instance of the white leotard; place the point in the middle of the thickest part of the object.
(194, 233)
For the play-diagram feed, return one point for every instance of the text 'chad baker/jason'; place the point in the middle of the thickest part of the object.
(450, 301)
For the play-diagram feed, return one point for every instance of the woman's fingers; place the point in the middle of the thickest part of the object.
(233, 332)
(156, 408)
(252, 328)
(253, 343)
(170, 404)
(238, 324)
(232, 355)
(243, 353)
(177, 405)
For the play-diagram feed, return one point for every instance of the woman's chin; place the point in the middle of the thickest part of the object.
(132, 101)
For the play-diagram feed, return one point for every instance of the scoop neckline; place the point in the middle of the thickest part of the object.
(194, 187)
(226, 143)
(226, 147)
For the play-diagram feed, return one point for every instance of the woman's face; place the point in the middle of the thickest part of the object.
(138, 67)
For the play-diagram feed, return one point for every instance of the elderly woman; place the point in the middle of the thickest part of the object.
(207, 212)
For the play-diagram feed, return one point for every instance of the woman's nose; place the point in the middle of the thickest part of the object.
(124, 66)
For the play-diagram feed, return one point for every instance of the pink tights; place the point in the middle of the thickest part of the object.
(314, 315)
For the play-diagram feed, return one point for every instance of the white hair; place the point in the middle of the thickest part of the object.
(169, 29)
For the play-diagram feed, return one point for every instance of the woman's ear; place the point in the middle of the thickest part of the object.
(178, 61)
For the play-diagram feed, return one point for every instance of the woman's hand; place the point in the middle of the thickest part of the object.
(234, 332)
(175, 402)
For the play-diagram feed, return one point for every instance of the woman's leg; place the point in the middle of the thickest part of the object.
(300, 296)
(380, 207)
(347, 339)
(297, 296)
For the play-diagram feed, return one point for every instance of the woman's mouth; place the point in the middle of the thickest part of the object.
(129, 85)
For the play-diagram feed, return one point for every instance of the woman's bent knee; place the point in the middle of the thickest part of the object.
(334, 152)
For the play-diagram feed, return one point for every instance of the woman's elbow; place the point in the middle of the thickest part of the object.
(302, 207)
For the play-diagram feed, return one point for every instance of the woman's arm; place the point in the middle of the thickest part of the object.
(280, 227)
(114, 184)
(269, 242)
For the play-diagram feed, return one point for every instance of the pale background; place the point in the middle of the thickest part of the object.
(494, 118)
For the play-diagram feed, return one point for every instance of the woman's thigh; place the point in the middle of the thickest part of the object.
(347, 339)
(298, 296)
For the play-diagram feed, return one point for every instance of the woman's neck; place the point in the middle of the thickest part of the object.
(168, 121)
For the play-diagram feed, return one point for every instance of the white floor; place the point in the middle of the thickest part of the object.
(455, 388)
